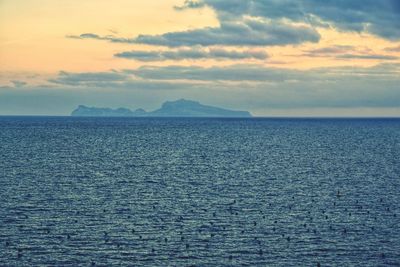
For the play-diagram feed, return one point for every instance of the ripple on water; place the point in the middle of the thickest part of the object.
(204, 192)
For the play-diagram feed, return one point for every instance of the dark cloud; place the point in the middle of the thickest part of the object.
(244, 32)
(87, 36)
(347, 52)
(112, 79)
(110, 38)
(229, 73)
(190, 4)
(367, 56)
(193, 54)
(272, 22)
(257, 73)
(330, 50)
(89, 78)
(142, 55)
(377, 17)
(190, 77)
(180, 76)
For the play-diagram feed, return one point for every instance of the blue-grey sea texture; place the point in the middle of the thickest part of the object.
(199, 192)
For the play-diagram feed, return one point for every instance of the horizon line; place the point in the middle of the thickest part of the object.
(210, 117)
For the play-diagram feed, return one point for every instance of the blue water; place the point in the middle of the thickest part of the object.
(199, 192)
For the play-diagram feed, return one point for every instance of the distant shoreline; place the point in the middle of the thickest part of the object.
(188, 117)
(177, 108)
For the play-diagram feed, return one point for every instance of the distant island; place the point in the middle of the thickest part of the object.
(178, 108)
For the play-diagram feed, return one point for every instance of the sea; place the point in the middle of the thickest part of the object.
(199, 192)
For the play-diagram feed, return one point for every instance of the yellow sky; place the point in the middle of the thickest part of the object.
(33, 36)
(32, 32)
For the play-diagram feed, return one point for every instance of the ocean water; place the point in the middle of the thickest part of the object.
(199, 192)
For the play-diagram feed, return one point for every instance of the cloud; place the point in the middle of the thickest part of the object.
(244, 32)
(89, 78)
(367, 56)
(329, 50)
(393, 49)
(381, 18)
(18, 84)
(347, 52)
(256, 87)
(110, 38)
(272, 22)
(249, 87)
(193, 54)
(190, 4)
(337, 87)
(110, 80)
(180, 76)
(258, 73)
(230, 73)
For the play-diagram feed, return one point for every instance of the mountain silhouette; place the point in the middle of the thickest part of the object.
(178, 108)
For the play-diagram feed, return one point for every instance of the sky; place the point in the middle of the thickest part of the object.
(270, 57)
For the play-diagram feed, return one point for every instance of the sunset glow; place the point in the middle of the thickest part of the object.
(39, 39)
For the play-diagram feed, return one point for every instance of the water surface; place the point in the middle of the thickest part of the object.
(199, 192)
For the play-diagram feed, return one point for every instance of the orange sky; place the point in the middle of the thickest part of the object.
(32, 32)
(33, 36)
